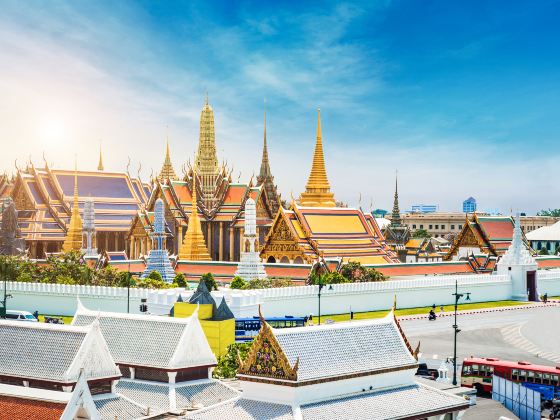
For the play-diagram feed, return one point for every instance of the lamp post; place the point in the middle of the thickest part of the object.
(321, 284)
(128, 277)
(5, 272)
(456, 329)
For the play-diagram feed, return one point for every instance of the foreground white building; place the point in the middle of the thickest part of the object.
(362, 370)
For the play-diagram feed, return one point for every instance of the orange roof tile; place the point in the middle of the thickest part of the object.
(12, 408)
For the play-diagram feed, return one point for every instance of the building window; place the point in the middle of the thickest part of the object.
(421, 226)
(430, 227)
(452, 227)
(460, 227)
(442, 227)
(413, 226)
(437, 226)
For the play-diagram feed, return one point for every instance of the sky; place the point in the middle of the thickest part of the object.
(461, 98)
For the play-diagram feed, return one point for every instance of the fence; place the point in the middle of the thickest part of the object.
(525, 403)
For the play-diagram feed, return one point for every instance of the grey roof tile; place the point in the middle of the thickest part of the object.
(118, 408)
(138, 340)
(146, 394)
(38, 352)
(243, 409)
(345, 348)
(402, 402)
(204, 394)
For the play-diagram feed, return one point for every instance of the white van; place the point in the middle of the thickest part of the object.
(20, 316)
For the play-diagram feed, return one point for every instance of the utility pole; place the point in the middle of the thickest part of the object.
(456, 329)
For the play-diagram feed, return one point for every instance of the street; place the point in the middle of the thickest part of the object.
(522, 334)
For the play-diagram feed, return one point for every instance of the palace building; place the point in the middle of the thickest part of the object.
(486, 235)
(45, 201)
(219, 202)
(316, 228)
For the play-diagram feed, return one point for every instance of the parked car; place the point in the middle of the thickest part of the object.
(20, 316)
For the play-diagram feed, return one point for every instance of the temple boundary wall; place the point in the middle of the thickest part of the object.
(60, 299)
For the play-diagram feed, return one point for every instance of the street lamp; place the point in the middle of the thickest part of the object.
(457, 330)
(322, 284)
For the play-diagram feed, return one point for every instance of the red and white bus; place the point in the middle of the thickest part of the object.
(477, 373)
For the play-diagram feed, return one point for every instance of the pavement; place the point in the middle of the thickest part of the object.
(528, 333)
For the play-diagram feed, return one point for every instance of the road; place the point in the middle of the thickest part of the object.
(521, 334)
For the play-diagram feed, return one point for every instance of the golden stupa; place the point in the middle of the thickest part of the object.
(74, 234)
(318, 190)
(194, 247)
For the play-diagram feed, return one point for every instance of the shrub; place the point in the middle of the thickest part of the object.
(237, 283)
(227, 364)
(210, 281)
(180, 281)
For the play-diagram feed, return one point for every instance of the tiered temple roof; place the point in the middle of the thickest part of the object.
(492, 235)
(167, 172)
(306, 233)
(266, 179)
(44, 198)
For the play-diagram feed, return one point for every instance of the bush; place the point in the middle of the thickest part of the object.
(421, 233)
(151, 283)
(357, 273)
(154, 275)
(237, 283)
(210, 281)
(543, 251)
(227, 364)
(281, 282)
(180, 281)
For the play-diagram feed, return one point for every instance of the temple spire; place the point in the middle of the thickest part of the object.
(206, 162)
(73, 239)
(194, 247)
(396, 215)
(318, 191)
(265, 165)
(100, 164)
(167, 171)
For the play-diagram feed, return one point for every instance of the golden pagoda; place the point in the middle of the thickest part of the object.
(100, 164)
(318, 190)
(74, 234)
(194, 247)
(167, 171)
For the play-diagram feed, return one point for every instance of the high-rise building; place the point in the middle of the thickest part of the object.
(469, 205)
(424, 208)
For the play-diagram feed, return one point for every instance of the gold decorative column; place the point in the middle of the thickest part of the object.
(221, 251)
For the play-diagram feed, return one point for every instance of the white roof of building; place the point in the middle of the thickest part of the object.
(402, 402)
(382, 222)
(116, 407)
(356, 347)
(151, 341)
(545, 233)
(55, 353)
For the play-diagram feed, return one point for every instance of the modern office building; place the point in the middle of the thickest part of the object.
(424, 208)
(469, 205)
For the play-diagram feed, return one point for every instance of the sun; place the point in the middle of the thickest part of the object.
(53, 131)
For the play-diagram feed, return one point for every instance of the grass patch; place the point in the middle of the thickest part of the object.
(67, 319)
(423, 310)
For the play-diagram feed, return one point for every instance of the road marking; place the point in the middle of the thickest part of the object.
(512, 335)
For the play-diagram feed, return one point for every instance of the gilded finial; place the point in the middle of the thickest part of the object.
(100, 164)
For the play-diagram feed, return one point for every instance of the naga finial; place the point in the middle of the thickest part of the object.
(128, 167)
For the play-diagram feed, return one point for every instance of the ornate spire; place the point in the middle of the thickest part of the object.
(396, 216)
(206, 161)
(73, 240)
(265, 165)
(318, 191)
(100, 164)
(194, 246)
(167, 171)
(517, 253)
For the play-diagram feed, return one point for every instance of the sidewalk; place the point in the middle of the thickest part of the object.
(529, 305)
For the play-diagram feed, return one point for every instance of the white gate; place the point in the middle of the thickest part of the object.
(525, 403)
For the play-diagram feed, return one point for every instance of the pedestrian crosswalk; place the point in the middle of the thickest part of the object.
(512, 335)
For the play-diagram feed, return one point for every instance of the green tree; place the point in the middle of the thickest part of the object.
(421, 233)
(154, 275)
(180, 281)
(237, 283)
(151, 283)
(210, 281)
(281, 282)
(258, 284)
(549, 212)
(356, 273)
(543, 251)
(228, 363)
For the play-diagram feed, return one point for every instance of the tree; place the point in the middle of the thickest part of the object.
(154, 275)
(237, 283)
(543, 251)
(180, 281)
(356, 273)
(228, 364)
(549, 212)
(281, 282)
(421, 233)
(152, 283)
(210, 281)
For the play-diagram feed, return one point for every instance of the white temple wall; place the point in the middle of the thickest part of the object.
(57, 299)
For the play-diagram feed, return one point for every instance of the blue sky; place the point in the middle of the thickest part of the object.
(461, 97)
